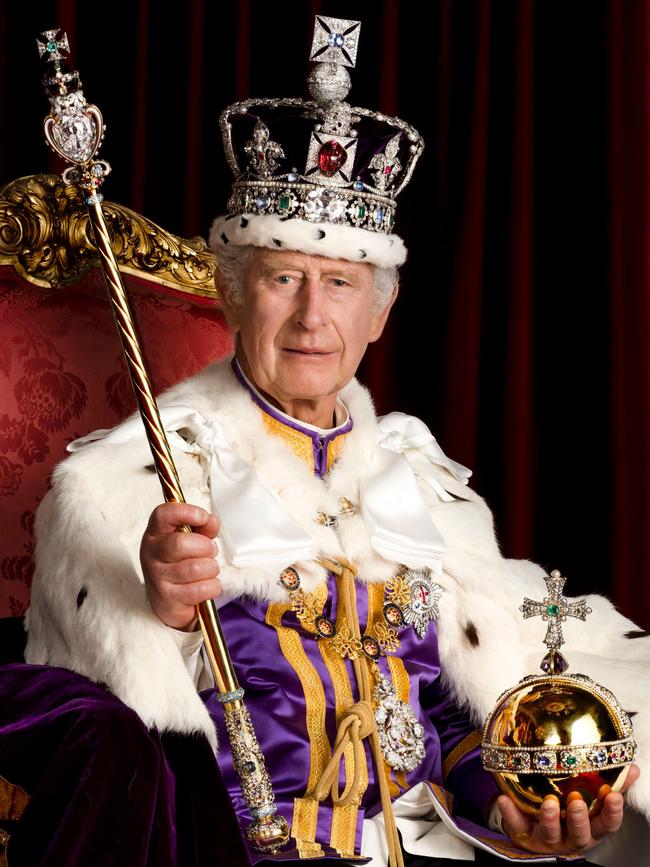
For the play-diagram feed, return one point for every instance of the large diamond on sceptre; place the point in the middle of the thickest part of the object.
(557, 733)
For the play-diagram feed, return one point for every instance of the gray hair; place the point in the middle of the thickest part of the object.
(232, 262)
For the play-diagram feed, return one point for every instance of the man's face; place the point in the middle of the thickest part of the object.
(304, 323)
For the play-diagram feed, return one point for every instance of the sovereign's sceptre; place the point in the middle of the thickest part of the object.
(75, 130)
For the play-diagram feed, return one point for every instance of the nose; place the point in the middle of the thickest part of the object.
(312, 304)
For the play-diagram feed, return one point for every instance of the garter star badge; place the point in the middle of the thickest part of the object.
(422, 606)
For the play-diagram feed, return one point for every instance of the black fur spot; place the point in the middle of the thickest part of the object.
(231, 217)
(243, 222)
(224, 238)
(319, 234)
(81, 596)
(637, 633)
(276, 242)
(471, 634)
(391, 242)
(284, 219)
(363, 254)
(631, 713)
(150, 468)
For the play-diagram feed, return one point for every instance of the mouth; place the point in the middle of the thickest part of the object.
(306, 351)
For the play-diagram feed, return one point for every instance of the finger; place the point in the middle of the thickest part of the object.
(168, 517)
(189, 571)
(549, 827)
(578, 826)
(174, 547)
(632, 776)
(210, 528)
(515, 823)
(195, 593)
(610, 817)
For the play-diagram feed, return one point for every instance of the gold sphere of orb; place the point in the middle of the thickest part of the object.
(554, 735)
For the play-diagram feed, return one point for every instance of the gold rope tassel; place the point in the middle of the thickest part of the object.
(357, 724)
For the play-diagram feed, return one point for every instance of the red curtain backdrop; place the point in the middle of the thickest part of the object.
(521, 332)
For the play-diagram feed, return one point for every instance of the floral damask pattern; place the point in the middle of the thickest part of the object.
(61, 376)
(48, 396)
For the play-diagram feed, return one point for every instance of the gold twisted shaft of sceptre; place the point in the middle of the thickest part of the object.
(75, 131)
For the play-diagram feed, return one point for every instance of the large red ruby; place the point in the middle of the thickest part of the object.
(331, 157)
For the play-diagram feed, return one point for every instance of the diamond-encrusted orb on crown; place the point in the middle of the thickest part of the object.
(329, 83)
(557, 733)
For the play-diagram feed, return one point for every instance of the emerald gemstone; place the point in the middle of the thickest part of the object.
(361, 212)
(51, 46)
(285, 201)
(570, 761)
(392, 220)
(553, 610)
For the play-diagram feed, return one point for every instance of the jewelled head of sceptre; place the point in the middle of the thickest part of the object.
(319, 176)
(74, 129)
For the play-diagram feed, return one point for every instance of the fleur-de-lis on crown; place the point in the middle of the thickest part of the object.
(386, 166)
(264, 154)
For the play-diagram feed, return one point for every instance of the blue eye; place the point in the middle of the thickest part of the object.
(284, 279)
(339, 282)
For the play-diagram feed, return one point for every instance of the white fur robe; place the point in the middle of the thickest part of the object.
(89, 612)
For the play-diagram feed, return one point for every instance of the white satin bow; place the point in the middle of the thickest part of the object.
(256, 528)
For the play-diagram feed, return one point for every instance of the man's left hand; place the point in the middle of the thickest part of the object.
(546, 835)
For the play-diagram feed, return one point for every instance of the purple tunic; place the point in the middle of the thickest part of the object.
(273, 656)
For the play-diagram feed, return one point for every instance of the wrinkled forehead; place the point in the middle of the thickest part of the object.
(264, 261)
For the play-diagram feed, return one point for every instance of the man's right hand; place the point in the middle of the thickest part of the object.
(179, 568)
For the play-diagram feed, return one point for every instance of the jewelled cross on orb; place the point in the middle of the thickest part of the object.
(555, 608)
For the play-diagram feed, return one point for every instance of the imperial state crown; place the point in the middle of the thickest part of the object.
(320, 175)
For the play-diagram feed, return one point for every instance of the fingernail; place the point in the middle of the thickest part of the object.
(550, 804)
(574, 796)
(604, 791)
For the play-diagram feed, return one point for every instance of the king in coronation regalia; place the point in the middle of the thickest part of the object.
(371, 618)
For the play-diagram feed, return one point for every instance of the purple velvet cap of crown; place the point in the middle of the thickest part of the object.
(293, 174)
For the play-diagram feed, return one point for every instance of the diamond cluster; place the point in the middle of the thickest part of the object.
(400, 734)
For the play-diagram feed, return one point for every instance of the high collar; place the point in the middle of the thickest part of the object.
(318, 447)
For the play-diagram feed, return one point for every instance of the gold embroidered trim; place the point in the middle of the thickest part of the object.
(303, 827)
(461, 749)
(344, 829)
(301, 444)
(344, 819)
(293, 651)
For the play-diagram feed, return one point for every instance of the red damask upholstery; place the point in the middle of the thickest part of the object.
(62, 375)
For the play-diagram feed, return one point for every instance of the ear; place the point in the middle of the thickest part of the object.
(379, 318)
(231, 311)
